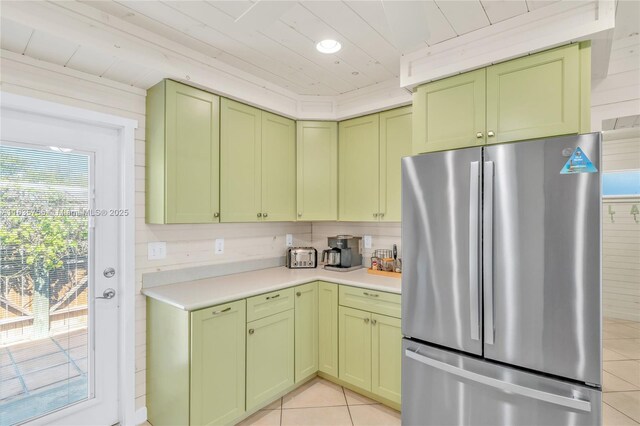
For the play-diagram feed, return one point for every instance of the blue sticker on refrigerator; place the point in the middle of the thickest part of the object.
(578, 163)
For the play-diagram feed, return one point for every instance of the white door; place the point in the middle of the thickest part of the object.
(59, 188)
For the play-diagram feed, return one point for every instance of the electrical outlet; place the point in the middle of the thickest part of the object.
(289, 240)
(367, 241)
(156, 250)
(219, 248)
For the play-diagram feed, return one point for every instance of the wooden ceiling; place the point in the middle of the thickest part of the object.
(275, 40)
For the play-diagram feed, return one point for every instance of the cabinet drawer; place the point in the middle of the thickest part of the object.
(377, 302)
(269, 304)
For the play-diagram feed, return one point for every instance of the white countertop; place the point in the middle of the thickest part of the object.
(192, 295)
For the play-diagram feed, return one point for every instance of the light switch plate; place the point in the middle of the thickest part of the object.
(367, 241)
(219, 247)
(289, 240)
(156, 250)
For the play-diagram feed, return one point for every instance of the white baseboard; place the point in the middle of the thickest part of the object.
(141, 415)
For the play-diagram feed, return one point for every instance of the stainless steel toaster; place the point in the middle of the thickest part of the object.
(301, 257)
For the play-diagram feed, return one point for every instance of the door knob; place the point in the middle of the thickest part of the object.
(109, 272)
(251, 331)
(107, 294)
(366, 320)
(216, 214)
(259, 214)
(490, 134)
(264, 215)
(298, 294)
(479, 135)
(374, 322)
(375, 215)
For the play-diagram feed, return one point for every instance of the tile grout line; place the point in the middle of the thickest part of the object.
(347, 402)
(18, 373)
(621, 412)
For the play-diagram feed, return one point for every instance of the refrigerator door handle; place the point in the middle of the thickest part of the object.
(574, 403)
(474, 297)
(487, 252)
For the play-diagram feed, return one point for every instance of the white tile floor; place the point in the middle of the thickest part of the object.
(320, 402)
(621, 372)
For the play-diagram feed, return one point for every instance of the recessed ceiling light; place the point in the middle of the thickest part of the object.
(328, 46)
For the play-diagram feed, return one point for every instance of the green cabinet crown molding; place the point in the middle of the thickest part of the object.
(540, 95)
(182, 154)
(317, 170)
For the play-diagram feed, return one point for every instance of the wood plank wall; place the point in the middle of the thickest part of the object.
(621, 234)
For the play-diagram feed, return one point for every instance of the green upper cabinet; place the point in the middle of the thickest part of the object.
(386, 357)
(328, 328)
(278, 168)
(395, 143)
(241, 162)
(358, 168)
(449, 113)
(270, 357)
(317, 165)
(218, 364)
(541, 95)
(306, 331)
(535, 96)
(258, 165)
(355, 347)
(182, 164)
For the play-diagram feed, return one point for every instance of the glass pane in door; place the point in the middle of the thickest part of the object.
(44, 280)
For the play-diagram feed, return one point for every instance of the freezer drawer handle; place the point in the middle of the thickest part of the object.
(577, 404)
(474, 297)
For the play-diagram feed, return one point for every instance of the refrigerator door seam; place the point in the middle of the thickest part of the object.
(574, 403)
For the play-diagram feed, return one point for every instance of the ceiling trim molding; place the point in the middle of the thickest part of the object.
(554, 25)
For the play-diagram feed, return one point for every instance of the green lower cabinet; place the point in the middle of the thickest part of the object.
(270, 357)
(355, 347)
(328, 328)
(218, 364)
(306, 331)
(386, 357)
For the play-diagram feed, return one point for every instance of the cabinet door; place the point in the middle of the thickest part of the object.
(269, 357)
(218, 364)
(192, 155)
(240, 162)
(355, 347)
(359, 169)
(278, 168)
(535, 96)
(306, 324)
(386, 356)
(328, 328)
(317, 153)
(449, 113)
(395, 143)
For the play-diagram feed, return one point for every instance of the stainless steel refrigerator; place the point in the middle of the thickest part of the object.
(501, 305)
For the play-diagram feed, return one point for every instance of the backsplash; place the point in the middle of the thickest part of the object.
(383, 235)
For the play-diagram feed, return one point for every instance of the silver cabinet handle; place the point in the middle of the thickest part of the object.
(474, 279)
(487, 253)
(381, 215)
(373, 322)
(375, 215)
(259, 214)
(479, 135)
(565, 401)
(107, 294)
(299, 214)
(490, 134)
(273, 297)
(366, 320)
(251, 331)
(298, 294)
(264, 215)
(371, 294)
(216, 214)
(221, 311)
